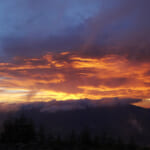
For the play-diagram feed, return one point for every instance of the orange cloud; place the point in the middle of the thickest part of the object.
(67, 76)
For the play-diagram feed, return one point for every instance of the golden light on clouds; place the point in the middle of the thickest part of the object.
(67, 76)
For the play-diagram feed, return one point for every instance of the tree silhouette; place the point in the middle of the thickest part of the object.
(132, 144)
(7, 134)
(72, 138)
(96, 141)
(20, 130)
(20, 133)
(41, 135)
(85, 137)
(120, 144)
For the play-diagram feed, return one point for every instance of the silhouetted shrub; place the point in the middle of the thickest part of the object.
(19, 130)
(20, 134)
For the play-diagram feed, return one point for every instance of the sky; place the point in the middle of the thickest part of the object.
(74, 49)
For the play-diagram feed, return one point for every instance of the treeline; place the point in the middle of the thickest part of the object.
(20, 133)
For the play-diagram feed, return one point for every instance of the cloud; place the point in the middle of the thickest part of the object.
(9, 107)
(64, 76)
(41, 26)
(54, 106)
(92, 28)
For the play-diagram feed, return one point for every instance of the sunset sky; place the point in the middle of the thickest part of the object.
(74, 49)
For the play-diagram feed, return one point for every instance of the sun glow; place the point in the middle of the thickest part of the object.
(66, 76)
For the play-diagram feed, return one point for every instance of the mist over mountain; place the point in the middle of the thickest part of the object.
(54, 106)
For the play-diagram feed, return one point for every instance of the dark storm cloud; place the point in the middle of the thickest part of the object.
(36, 25)
(32, 47)
(92, 28)
(123, 29)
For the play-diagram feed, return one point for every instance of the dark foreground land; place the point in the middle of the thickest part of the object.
(21, 134)
(37, 146)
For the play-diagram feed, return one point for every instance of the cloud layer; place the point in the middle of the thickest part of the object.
(68, 75)
(54, 106)
(93, 28)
